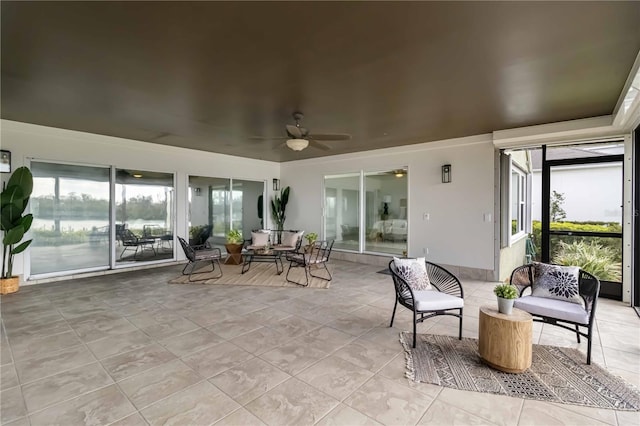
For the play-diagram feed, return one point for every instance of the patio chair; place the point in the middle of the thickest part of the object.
(576, 317)
(316, 257)
(131, 241)
(198, 255)
(445, 297)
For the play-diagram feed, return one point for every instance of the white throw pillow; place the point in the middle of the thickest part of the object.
(414, 272)
(259, 239)
(290, 239)
(557, 282)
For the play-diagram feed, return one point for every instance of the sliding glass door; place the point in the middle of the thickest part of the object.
(70, 205)
(144, 215)
(217, 205)
(386, 212)
(342, 210)
(382, 211)
(582, 211)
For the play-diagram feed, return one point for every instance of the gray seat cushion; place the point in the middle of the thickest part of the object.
(553, 308)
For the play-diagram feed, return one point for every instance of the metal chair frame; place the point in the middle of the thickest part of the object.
(441, 280)
(316, 257)
(198, 254)
(588, 288)
(132, 241)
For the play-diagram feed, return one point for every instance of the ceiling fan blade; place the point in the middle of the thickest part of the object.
(316, 144)
(331, 136)
(294, 131)
(280, 145)
(266, 138)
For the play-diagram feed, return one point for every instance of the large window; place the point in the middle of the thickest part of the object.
(70, 205)
(382, 211)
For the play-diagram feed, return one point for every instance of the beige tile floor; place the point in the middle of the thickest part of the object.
(130, 349)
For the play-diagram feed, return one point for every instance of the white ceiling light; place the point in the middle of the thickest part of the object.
(297, 144)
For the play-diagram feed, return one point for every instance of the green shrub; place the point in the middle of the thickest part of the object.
(592, 257)
(613, 243)
(46, 237)
(195, 230)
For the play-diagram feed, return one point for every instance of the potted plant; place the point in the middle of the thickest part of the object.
(13, 202)
(507, 294)
(234, 247)
(234, 236)
(311, 238)
(278, 207)
(194, 234)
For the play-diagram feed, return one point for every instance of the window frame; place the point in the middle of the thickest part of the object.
(523, 195)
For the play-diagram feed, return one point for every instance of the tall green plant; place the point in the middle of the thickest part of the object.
(13, 202)
(261, 210)
(278, 209)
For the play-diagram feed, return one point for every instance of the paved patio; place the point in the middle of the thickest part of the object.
(130, 349)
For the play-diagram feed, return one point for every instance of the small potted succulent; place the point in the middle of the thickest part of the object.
(507, 294)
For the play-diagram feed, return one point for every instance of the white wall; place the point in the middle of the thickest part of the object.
(456, 233)
(592, 192)
(26, 141)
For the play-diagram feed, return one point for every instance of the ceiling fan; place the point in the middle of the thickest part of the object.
(298, 138)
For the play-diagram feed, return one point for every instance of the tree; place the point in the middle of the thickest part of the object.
(557, 212)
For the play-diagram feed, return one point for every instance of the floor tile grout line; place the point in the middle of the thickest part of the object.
(326, 324)
(31, 413)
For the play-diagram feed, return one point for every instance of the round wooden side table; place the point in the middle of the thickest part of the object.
(504, 341)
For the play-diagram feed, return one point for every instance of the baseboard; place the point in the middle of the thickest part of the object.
(462, 272)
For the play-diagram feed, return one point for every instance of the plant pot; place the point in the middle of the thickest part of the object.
(234, 254)
(9, 285)
(505, 306)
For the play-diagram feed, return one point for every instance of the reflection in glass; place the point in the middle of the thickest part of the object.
(342, 213)
(144, 215)
(212, 205)
(386, 212)
(518, 201)
(70, 205)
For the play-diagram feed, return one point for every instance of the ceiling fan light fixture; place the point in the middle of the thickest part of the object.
(297, 144)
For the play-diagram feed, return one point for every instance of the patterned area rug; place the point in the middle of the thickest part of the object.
(260, 274)
(556, 374)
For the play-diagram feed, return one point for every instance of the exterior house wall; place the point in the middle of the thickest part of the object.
(512, 257)
(448, 223)
(28, 141)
